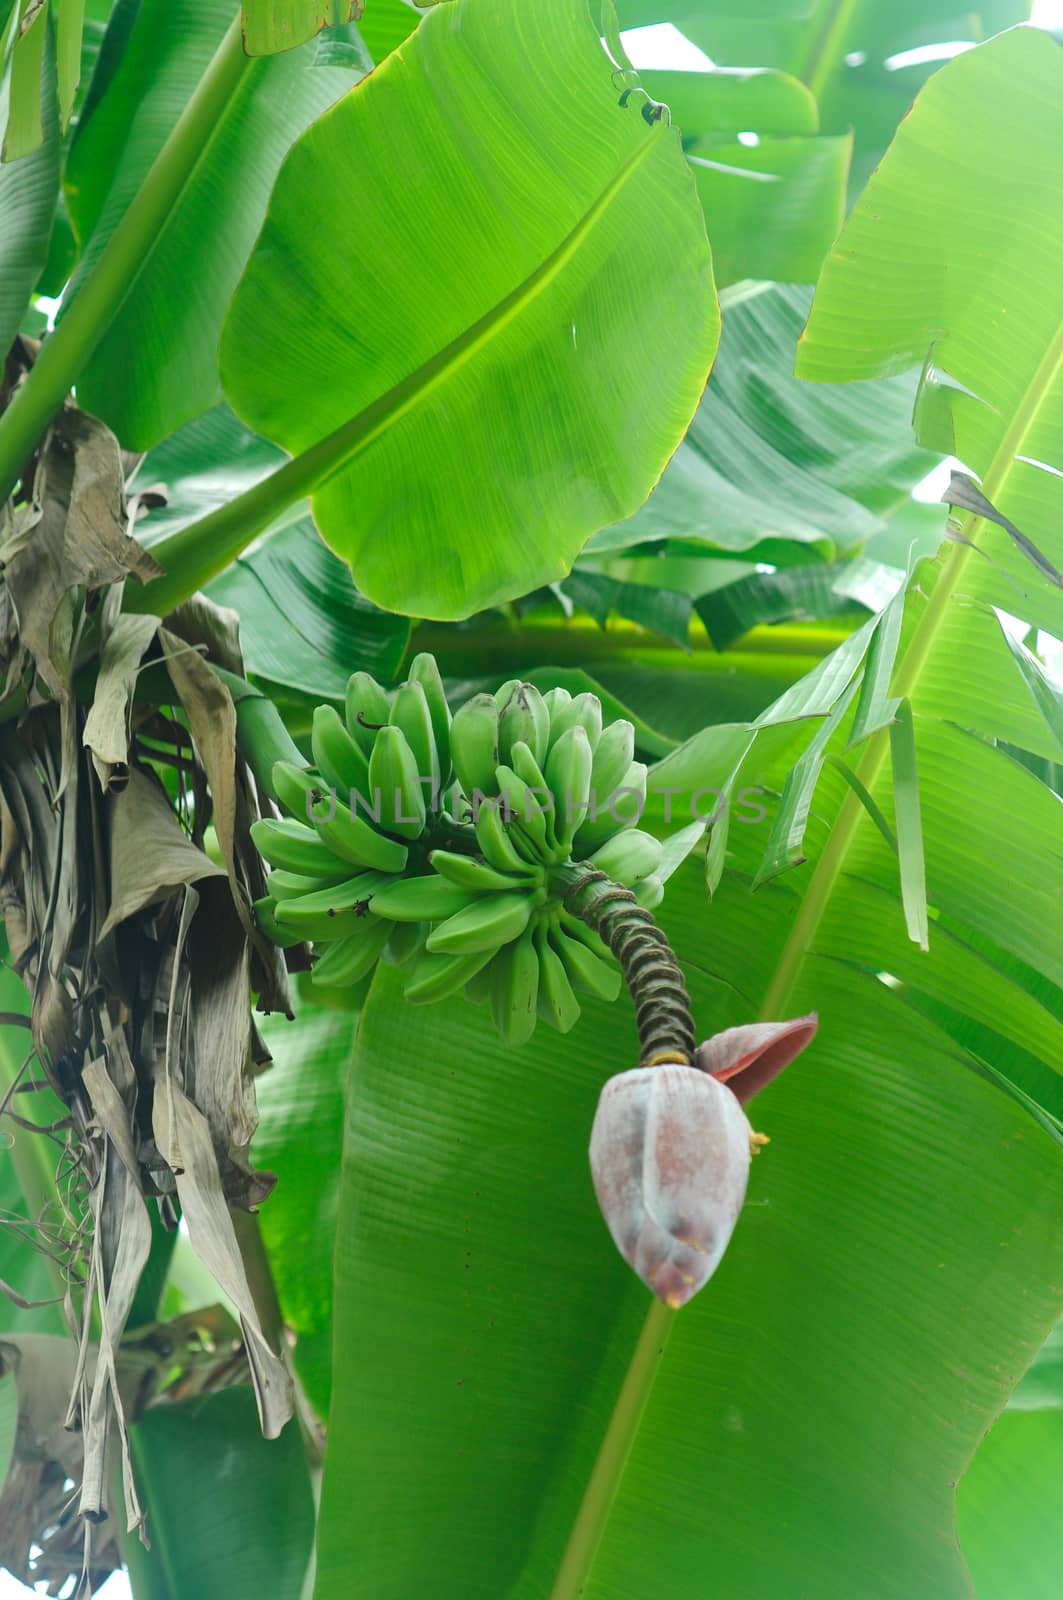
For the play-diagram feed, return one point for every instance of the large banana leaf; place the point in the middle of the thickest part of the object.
(501, 371)
(775, 469)
(156, 367)
(990, 327)
(28, 190)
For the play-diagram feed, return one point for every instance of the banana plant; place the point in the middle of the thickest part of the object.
(382, 322)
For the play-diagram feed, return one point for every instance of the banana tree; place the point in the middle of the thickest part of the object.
(390, 362)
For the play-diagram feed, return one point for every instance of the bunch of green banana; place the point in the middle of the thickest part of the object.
(435, 844)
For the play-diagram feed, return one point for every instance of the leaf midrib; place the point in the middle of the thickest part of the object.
(606, 1476)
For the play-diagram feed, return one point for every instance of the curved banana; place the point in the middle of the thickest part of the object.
(494, 840)
(337, 757)
(469, 872)
(526, 819)
(352, 839)
(556, 1002)
(514, 989)
(568, 772)
(622, 809)
(367, 708)
(286, 885)
(424, 670)
(434, 977)
(582, 711)
(425, 899)
(612, 758)
(524, 720)
(530, 773)
(405, 943)
(474, 745)
(488, 922)
(350, 958)
(394, 782)
(265, 918)
(504, 692)
(628, 856)
(587, 972)
(649, 892)
(478, 987)
(299, 789)
(296, 911)
(294, 847)
(410, 713)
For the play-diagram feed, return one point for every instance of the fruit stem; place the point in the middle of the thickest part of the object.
(651, 971)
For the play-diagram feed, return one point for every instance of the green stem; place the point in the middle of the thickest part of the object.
(64, 353)
(653, 975)
(261, 736)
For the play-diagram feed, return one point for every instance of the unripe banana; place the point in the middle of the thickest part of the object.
(582, 711)
(434, 977)
(488, 922)
(266, 919)
(393, 783)
(526, 820)
(470, 873)
(474, 744)
(555, 700)
(410, 712)
(425, 899)
(348, 837)
(529, 772)
(504, 692)
(556, 1003)
(350, 958)
(298, 789)
(576, 928)
(478, 988)
(405, 943)
(495, 842)
(586, 972)
(628, 856)
(334, 901)
(568, 772)
(649, 892)
(524, 720)
(621, 809)
(338, 758)
(294, 847)
(515, 988)
(612, 758)
(286, 885)
(367, 709)
(424, 670)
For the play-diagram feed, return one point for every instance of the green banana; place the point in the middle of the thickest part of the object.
(628, 856)
(393, 782)
(410, 712)
(434, 977)
(350, 958)
(649, 892)
(568, 772)
(556, 1002)
(299, 789)
(471, 873)
(576, 928)
(504, 692)
(514, 989)
(355, 841)
(529, 772)
(524, 720)
(526, 819)
(367, 708)
(495, 842)
(425, 670)
(474, 744)
(265, 918)
(621, 809)
(586, 972)
(405, 943)
(612, 758)
(424, 899)
(488, 922)
(337, 757)
(294, 847)
(287, 885)
(555, 700)
(582, 711)
(333, 901)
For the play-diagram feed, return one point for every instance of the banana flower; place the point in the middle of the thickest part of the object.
(671, 1147)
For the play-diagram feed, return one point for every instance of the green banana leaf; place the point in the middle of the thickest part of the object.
(270, 26)
(156, 367)
(773, 469)
(501, 372)
(988, 331)
(28, 190)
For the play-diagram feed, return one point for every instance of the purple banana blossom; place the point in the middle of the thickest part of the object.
(670, 1152)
